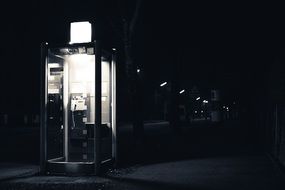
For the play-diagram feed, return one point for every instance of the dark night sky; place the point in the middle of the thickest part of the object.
(215, 47)
(228, 48)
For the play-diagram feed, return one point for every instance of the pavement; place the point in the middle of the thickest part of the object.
(232, 172)
(198, 158)
(15, 170)
(227, 172)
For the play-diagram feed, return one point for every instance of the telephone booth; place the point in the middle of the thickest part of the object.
(78, 108)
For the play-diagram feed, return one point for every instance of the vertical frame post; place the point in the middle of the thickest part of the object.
(43, 108)
(113, 107)
(98, 106)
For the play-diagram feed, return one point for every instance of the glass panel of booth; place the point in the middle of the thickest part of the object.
(71, 104)
(55, 107)
(106, 129)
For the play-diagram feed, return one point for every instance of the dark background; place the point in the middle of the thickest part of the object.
(212, 46)
(231, 47)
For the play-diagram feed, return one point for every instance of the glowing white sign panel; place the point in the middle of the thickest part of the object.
(80, 32)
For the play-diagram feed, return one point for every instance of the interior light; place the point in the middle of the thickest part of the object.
(80, 32)
(81, 73)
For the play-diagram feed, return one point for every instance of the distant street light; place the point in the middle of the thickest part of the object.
(205, 101)
(182, 91)
(198, 98)
(138, 70)
(163, 84)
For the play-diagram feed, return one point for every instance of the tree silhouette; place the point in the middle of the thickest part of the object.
(124, 22)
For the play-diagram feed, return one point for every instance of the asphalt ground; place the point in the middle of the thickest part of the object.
(197, 156)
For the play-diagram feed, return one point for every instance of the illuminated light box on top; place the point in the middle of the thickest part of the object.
(80, 32)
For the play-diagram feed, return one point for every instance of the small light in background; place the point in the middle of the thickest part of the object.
(182, 91)
(205, 101)
(114, 49)
(163, 84)
(202, 111)
(198, 98)
(195, 111)
(138, 70)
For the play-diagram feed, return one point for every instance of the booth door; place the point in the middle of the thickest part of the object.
(55, 131)
(106, 130)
